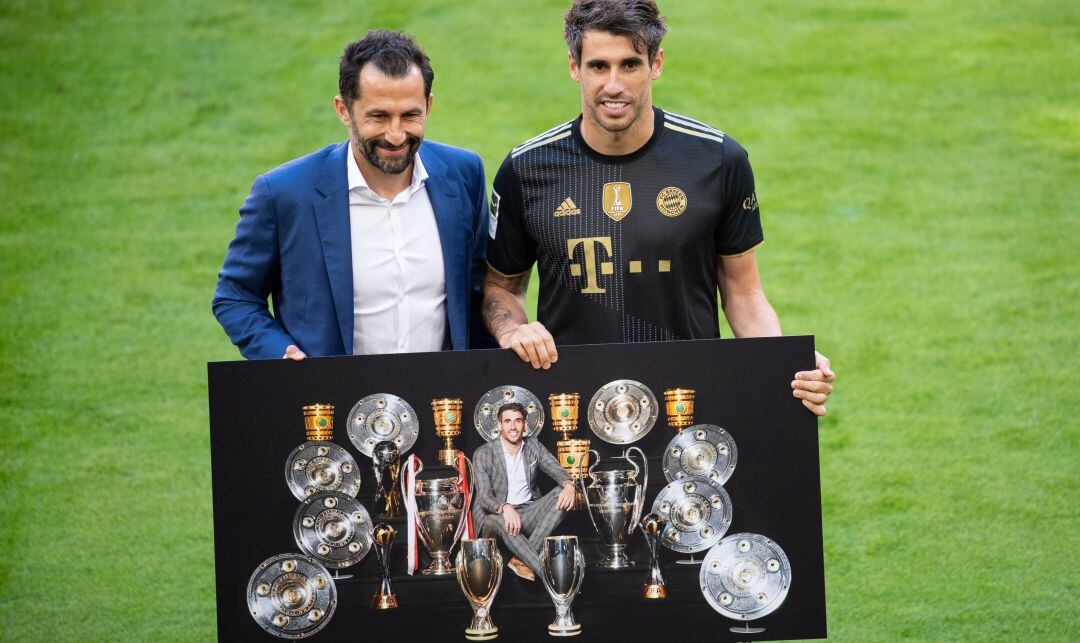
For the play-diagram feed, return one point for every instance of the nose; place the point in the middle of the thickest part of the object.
(395, 134)
(613, 85)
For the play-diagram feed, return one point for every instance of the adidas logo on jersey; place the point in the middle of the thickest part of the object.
(567, 208)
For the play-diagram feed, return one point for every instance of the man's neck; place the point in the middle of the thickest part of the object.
(510, 447)
(620, 143)
(385, 185)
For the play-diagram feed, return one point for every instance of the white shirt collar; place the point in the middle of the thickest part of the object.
(356, 179)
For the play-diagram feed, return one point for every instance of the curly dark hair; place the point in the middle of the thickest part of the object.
(392, 52)
(639, 20)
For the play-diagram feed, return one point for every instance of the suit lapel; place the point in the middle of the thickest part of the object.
(332, 218)
(443, 192)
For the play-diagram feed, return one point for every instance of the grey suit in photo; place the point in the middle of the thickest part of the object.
(539, 517)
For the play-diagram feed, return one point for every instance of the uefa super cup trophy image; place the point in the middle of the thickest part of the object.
(383, 537)
(651, 526)
(679, 404)
(615, 499)
(479, 572)
(447, 426)
(441, 508)
(562, 568)
(387, 463)
(573, 453)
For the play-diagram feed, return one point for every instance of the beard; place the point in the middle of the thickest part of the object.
(593, 109)
(369, 149)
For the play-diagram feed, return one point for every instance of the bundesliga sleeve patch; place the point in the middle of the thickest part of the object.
(493, 214)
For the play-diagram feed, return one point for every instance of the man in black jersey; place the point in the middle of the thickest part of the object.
(636, 216)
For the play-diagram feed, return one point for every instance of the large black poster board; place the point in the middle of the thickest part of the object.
(742, 385)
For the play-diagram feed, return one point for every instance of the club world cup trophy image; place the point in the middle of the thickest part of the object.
(291, 596)
(651, 526)
(573, 453)
(479, 572)
(679, 404)
(383, 537)
(439, 503)
(615, 499)
(562, 568)
(387, 462)
(447, 426)
(318, 465)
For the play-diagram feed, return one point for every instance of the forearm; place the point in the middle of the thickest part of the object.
(751, 315)
(504, 303)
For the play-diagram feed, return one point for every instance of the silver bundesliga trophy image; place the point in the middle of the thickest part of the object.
(562, 568)
(383, 426)
(479, 573)
(744, 577)
(291, 596)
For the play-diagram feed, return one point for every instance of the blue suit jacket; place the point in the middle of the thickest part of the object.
(293, 244)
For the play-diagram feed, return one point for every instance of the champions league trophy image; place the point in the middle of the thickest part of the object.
(440, 506)
(679, 404)
(447, 426)
(562, 568)
(384, 598)
(479, 572)
(291, 596)
(319, 465)
(334, 528)
(651, 526)
(383, 426)
(573, 454)
(744, 577)
(615, 500)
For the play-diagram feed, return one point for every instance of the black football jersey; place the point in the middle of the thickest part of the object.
(627, 245)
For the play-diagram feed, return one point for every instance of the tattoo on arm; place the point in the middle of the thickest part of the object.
(504, 301)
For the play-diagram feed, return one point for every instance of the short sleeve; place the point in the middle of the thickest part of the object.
(739, 230)
(511, 250)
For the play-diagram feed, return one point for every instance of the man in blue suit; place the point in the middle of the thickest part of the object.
(374, 245)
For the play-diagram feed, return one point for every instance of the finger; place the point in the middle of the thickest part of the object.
(816, 398)
(814, 386)
(825, 366)
(519, 348)
(810, 375)
(542, 352)
(530, 350)
(816, 409)
(294, 353)
(549, 343)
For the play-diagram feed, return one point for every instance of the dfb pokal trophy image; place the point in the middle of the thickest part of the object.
(573, 453)
(615, 499)
(679, 404)
(447, 412)
(651, 526)
(383, 537)
(562, 568)
(479, 572)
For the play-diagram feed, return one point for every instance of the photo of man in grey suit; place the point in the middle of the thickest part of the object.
(508, 500)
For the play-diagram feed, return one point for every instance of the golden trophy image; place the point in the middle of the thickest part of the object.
(651, 526)
(319, 421)
(479, 572)
(383, 537)
(573, 453)
(679, 404)
(447, 426)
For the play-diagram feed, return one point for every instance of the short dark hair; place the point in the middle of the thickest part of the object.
(392, 52)
(639, 20)
(512, 406)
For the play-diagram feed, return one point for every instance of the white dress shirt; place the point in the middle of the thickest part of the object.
(399, 284)
(517, 484)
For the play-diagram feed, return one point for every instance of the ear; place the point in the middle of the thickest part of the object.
(342, 111)
(575, 73)
(430, 100)
(657, 64)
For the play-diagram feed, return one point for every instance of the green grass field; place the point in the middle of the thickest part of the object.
(917, 166)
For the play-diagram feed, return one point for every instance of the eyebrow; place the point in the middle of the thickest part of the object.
(630, 59)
